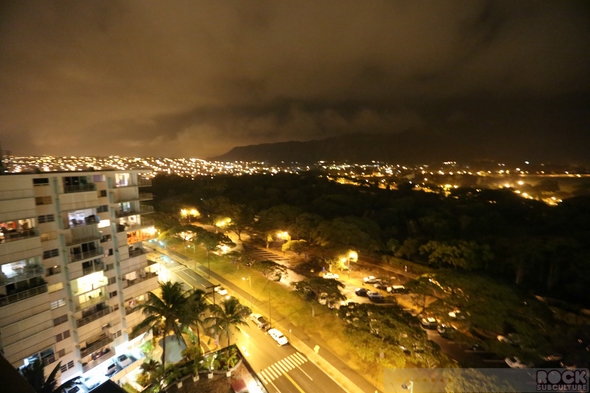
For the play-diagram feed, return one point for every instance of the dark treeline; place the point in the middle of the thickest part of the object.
(540, 247)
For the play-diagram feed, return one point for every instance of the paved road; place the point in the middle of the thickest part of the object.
(281, 369)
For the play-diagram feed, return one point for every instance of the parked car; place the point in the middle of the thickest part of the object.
(383, 286)
(123, 361)
(371, 280)
(445, 330)
(396, 289)
(361, 292)
(112, 369)
(278, 336)
(331, 276)
(514, 362)
(221, 290)
(375, 297)
(259, 321)
(429, 322)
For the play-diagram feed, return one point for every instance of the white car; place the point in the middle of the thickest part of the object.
(123, 361)
(278, 336)
(371, 280)
(515, 362)
(221, 290)
(331, 276)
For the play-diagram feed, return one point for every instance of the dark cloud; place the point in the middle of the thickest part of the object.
(190, 78)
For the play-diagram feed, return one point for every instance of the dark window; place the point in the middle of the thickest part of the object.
(60, 320)
(50, 253)
(40, 182)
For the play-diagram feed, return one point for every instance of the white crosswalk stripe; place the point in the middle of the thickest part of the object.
(281, 367)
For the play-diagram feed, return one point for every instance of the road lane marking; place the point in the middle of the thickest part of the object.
(275, 386)
(300, 356)
(283, 366)
(263, 376)
(300, 369)
(276, 369)
(294, 383)
(293, 359)
(273, 372)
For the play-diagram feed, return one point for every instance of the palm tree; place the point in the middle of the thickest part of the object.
(164, 312)
(34, 373)
(227, 314)
(195, 307)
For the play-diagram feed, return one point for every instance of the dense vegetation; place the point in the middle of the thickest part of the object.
(492, 232)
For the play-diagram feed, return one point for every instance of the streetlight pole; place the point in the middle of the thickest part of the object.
(250, 281)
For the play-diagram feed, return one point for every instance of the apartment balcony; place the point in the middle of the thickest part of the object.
(140, 236)
(91, 302)
(93, 317)
(89, 220)
(145, 223)
(22, 275)
(79, 188)
(83, 239)
(143, 209)
(102, 341)
(101, 357)
(148, 276)
(8, 236)
(142, 196)
(144, 182)
(96, 267)
(22, 295)
(86, 255)
(101, 283)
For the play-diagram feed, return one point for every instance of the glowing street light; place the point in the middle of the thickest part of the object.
(250, 281)
(353, 256)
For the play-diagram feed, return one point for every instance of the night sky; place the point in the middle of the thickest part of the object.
(194, 79)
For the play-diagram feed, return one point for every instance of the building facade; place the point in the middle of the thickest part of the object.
(73, 266)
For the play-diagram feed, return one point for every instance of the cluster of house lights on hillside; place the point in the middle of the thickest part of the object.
(424, 177)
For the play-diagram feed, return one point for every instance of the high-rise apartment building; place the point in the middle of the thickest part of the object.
(73, 266)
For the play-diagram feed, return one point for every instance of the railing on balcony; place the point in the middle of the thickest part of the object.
(27, 272)
(103, 356)
(96, 345)
(22, 295)
(148, 275)
(145, 223)
(135, 252)
(11, 236)
(86, 239)
(91, 302)
(86, 255)
(144, 182)
(101, 284)
(90, 220)
(79, 188)
(93, 317)
(126, 213)
(96, 267)
(145, 209)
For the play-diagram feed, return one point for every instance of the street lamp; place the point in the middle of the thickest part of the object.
(352, 256)
(250, 281)
(409, 386)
